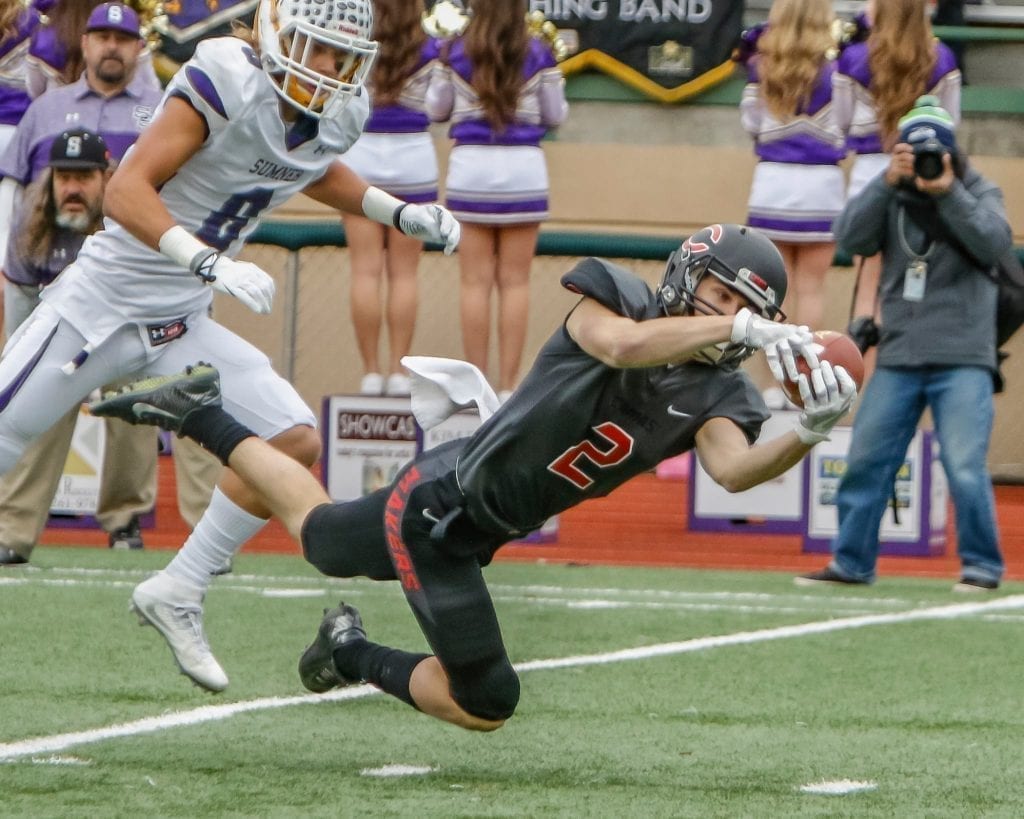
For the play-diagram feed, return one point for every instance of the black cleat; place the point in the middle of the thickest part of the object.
(164, 401)
(317, 671)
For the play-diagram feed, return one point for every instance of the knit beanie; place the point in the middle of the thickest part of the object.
(928, 119)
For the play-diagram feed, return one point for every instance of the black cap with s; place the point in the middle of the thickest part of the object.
(79, 148)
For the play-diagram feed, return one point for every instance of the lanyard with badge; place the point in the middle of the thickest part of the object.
(916, 276)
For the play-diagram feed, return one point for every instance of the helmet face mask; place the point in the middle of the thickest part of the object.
(741, 258)
(291, 33)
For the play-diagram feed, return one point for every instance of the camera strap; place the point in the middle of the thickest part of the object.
(856, 289)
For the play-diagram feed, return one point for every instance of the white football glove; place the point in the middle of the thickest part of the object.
(429, 223)
(781, 342)
(245, 281)
(827, 396)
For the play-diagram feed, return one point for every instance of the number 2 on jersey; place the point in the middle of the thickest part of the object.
(567, 464)
(224, 225)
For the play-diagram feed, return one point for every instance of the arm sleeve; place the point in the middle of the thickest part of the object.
(10, 196)
(612, 286)
(440, 93)
(978, 220)
(860, 228)
(842, 100)
(210, 85)
(553, 106)
(751, 109)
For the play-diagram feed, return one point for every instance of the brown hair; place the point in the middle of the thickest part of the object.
(901, 56)
(791, 53)
(496, 41)
(10, 11)
(396, 27)
(68, 19)
(35, 241)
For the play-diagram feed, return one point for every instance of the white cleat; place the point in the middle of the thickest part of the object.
(175, 609)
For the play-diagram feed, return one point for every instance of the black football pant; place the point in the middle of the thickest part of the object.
(387, 536)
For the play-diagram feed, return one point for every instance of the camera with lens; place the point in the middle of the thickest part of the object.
(928, 155)
(864, 332)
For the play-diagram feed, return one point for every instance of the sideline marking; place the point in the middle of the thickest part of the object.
(398, 770)
(209, 713)
(839, 787)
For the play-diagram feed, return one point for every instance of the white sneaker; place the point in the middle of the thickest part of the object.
(372, 384)
(175, 609)
(397, 384)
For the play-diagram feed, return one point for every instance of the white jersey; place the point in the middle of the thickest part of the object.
(251, 162)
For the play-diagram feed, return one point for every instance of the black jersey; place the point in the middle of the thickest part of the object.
(577, 428)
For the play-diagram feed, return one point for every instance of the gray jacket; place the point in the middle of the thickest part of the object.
(954, 324)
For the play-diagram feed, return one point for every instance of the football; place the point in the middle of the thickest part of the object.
(836, 348)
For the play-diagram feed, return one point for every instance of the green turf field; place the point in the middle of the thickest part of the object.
(646, 693)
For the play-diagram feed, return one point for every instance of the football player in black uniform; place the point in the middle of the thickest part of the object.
(631, 377)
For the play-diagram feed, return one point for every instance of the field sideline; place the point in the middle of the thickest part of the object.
(646, 692)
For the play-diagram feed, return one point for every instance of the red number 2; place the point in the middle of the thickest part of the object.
(621, 448)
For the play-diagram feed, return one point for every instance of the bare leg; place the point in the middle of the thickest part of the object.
(477, 272)
(300, 444)
(429, 688)
(516, 247)
(278, 483)
(366, 255)
(811, 262)
(403, 256)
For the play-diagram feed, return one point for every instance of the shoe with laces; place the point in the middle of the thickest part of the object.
(970, 585)
(164, 401)
(175, 609)
(828, 575)
(317, 670)
(128, 536)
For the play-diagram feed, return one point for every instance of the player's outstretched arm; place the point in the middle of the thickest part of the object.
(342, 189)
(735, 465)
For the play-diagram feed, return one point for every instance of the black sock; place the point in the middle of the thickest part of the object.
(387, 668)
(214, 430)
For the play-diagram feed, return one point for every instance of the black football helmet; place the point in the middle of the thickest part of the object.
(744, 259)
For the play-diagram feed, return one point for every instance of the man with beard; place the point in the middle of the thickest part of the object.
(61, 208)
(111, 101)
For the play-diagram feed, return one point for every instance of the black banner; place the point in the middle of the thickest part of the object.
(671, 43)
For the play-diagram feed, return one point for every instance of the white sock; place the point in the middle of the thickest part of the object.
(222, 530)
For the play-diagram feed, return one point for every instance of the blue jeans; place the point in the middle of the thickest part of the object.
(960, 399)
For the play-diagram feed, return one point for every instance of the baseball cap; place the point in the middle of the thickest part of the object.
(928, 119)
(79, 148)
(115, 17)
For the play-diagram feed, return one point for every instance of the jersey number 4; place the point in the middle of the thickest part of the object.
(568, 464)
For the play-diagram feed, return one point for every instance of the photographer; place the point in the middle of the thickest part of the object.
(940, 227)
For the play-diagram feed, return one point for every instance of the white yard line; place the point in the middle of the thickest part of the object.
(60, 742)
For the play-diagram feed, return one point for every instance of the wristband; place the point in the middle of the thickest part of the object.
(381, 206)
(180, 246)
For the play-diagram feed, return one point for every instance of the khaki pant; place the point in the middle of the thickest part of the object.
(127, 485)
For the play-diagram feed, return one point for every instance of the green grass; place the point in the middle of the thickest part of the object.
(928, 710)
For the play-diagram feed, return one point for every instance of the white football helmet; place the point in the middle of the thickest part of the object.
(289, 30)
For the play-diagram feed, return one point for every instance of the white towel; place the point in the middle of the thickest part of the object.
(440, 387)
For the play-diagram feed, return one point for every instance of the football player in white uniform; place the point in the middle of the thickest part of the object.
(242, 127)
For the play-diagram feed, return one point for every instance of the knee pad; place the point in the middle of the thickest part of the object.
(487, 690)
